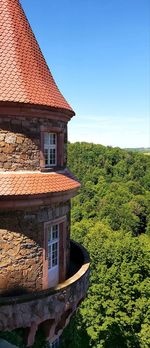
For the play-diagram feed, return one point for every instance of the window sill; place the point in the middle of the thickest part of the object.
(52, 169)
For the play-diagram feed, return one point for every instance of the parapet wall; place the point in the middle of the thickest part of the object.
(50, 309)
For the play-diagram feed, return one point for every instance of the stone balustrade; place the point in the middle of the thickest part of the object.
(50, 309)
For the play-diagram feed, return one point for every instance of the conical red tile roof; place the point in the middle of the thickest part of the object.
(24, 74)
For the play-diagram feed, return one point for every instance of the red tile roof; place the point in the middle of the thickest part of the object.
(35, 184)
(25, 76)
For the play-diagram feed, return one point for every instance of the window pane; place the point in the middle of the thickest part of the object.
(46, 138)
(53, 245)
(46, 156)
(54, 232)
(49, 256)
(52, 138)
(55, 344)
(50, 149)
(52, 156)
(54, 254)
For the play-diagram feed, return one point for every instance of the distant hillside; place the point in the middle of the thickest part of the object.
(139, 149)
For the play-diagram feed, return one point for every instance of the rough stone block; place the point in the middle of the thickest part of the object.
(10, 138)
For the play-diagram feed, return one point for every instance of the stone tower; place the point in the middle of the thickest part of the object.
(43, 276)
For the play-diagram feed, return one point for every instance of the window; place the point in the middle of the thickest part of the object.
(50, 149)
(54, 253)
(53, 245)
(55, 343)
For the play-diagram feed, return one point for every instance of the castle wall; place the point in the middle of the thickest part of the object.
(20, 142)
(50, 309)
(22, 247)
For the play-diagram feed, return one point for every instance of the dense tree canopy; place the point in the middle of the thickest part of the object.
(115, 186)
(116, 310)
(111, 217)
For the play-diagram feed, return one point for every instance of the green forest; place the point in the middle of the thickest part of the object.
(111, 218)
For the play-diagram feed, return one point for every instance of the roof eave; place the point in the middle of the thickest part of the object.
(26, 201)
(9, 108)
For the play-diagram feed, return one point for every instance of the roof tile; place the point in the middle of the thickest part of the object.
(22, 184)
(25, 76)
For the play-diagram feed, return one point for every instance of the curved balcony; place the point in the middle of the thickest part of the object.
(49, 308)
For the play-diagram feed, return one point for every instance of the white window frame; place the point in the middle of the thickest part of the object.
(50, 146)
(51, 242)
(55, 343)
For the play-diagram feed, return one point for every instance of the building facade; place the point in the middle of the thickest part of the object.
(43, 276)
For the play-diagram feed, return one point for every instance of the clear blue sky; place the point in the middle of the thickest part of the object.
(99, 54)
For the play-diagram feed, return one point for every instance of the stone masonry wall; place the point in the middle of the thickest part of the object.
(22, 243)
(20, 142)
(51, 311)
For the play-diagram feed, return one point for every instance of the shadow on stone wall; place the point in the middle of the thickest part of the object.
(21, 244)
(14, 291)
(22, 225)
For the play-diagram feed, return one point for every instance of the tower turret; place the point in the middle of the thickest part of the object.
(35, 188)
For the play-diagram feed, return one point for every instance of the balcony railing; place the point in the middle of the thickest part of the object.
(52, 305)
